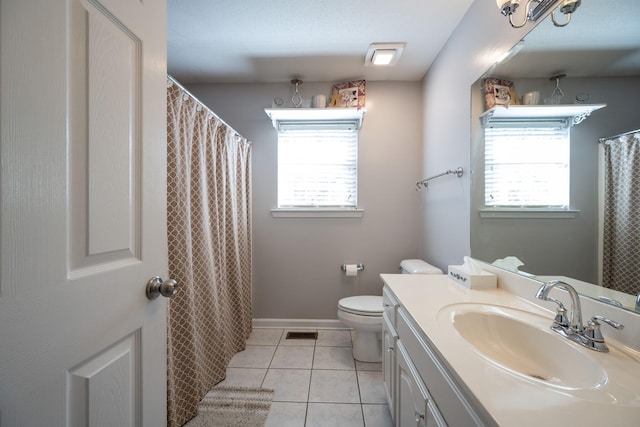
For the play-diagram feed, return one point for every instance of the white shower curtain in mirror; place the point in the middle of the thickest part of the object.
(209, 237)
(621, 239)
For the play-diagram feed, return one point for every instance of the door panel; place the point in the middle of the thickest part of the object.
(105, 169)
(104, 389)
(83, 149)
(113, 104)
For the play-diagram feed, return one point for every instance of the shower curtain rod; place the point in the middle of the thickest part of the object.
(617, 136)
(174, 81)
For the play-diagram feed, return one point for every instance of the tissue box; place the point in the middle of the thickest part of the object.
(479, 280)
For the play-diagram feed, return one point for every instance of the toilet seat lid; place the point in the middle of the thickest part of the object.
(367, 305)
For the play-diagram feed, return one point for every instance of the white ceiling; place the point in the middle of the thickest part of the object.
(315, 40)
(326, 40)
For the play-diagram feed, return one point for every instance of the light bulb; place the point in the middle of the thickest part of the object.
(569, 6)
(507, 7)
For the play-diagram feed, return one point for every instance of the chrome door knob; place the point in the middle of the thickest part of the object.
(156, 287)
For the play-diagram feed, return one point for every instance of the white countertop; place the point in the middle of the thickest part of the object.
(513, 399)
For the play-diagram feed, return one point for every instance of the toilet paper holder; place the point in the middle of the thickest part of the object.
(360, 267)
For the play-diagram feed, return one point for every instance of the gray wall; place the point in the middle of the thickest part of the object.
(561, 246)
(296, 261)
(480, 38)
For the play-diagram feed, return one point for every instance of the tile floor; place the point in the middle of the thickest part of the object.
(317, 383)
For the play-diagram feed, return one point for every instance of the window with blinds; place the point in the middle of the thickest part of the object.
(527, 164)
(317, 164)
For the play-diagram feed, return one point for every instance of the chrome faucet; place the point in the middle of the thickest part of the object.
(572, 327)
(575, 325)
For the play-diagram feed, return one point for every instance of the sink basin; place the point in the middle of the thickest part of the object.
(522, 343)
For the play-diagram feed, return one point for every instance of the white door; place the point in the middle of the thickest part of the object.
(82, 139)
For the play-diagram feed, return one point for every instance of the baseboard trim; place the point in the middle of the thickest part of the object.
(299, 323)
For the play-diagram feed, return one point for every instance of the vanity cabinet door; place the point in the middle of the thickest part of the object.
(390, 304)
(455, 405)
(434, 417)
(389, 339)
(414, 406)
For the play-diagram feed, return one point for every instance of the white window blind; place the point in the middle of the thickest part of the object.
(527, 164)
(317, 164)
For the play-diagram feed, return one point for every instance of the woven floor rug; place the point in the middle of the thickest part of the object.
(233, 407)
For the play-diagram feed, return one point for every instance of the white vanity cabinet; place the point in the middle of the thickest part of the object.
(414, 404)
(424, 392)
(442, 371)
(389, 338)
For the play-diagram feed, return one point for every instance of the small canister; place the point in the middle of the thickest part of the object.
(319, 101)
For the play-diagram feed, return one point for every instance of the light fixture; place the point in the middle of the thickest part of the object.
(567, 7)
(557, 94)
(383, 54)
(533, 13)
(296, 99)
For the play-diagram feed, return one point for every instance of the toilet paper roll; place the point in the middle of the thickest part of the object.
(352, 270)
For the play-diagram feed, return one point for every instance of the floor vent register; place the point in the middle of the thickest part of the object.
(301, 335)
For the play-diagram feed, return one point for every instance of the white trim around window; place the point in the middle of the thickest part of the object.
(317, 213)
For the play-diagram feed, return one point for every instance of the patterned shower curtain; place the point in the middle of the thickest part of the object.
(209, 236)
(621, 241)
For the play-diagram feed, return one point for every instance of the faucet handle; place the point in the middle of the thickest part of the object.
(594, 335)
(612, 323)
(561, 318)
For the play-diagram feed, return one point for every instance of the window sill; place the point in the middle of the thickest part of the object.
(525, 213)
(317, 212)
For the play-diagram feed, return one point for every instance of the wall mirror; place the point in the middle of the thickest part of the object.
(599, 52)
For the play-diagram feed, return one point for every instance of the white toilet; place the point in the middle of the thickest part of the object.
(363, 313)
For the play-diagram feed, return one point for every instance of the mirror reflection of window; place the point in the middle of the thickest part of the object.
(602, 65)
(527, 164)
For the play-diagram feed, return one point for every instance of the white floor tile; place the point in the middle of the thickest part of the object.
(368, 366)
(264, 336)
(333, 358)
(331, 386)
(371, 387)
(332, 338)
(291, 357)
(287, 414)
(290, 385)
(317, 383)
(332, 415)
(377, 416)
(256, 356)
(243, 377)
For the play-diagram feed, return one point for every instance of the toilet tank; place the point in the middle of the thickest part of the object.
(418, 266)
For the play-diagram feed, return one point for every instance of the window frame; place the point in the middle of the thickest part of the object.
(506, 210)
(354, 116)
(317, 165)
